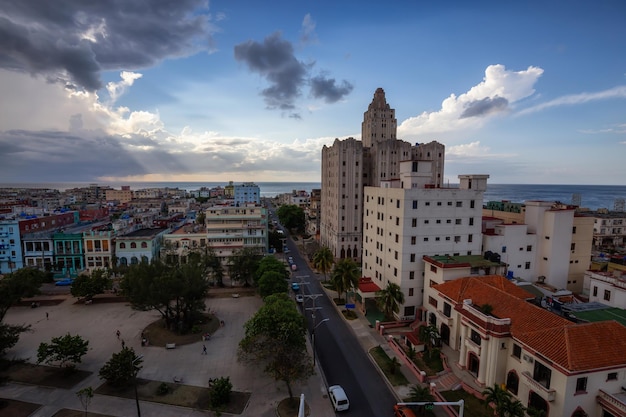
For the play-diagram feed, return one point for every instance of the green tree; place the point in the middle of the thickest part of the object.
(220, 391)
(323, 260)
(243, 263)
(420, 393)
(394, 365)
(430, 336)
(272, 282)
(270, 264)
(122, 368)
(345, 276)
(10, 335)
(88, 286)
(499, 397)
(68, 350)
(201, 217)
(23, 283)
(177, 292)
(214, 265)
(85, 396)
(390, 299)
(275, 338)
(292, 217)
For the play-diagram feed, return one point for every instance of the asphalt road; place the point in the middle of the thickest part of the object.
(342, 358)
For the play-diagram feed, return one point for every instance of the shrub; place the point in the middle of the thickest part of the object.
(220, 391)
(163, 389)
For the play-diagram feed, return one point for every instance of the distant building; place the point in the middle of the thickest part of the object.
(606, 287)
(142, 245)
(10, 246)
(125, 195)
(349, 165)
(246, 193)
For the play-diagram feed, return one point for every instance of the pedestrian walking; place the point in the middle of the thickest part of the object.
(117, 332)
(204, 349)
(46, 315)
(123, 344)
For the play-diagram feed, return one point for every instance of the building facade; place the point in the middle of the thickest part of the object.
(409, 218)
(349, 165)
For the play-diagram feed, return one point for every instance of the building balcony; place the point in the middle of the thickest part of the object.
(615, 404)
(548, 394)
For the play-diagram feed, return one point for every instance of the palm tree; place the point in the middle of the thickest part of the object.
(430, 336)
(323, 260)
(420, 393)
(345, 276)
(499, 398)
(389, 299)
(514, 408)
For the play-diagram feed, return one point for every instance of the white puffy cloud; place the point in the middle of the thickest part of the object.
(498, 91)
(116, 89)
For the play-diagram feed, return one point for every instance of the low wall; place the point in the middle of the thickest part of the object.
(421, 375)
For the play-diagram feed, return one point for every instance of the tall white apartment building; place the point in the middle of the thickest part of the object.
(408, 218)
(559, 238)
(246, 193)
(350, 164)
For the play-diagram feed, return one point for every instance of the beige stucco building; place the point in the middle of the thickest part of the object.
(349, 165)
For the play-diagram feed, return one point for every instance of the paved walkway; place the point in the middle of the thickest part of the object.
(98, 324)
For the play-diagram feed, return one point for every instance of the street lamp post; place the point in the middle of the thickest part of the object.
(315, 326)
(135, 372)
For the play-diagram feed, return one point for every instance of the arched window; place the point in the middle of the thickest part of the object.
(144, 245)
(123, 261)
(537, 402)
(134, 260)
(133, 245)
(512, 382)
(343, 253)
(579, 412)
(144, 260)
(122, 245)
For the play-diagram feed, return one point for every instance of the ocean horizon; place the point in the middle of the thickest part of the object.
(592, 197)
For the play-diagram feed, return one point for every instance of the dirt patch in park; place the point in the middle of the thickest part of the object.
(48, 376)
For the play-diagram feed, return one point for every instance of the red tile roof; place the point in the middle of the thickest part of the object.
(574, 347)
(366, 285)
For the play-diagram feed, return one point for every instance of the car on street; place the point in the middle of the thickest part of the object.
(299, 298)
(295, 286)
(64, 282)
(402, 411)
(338, 398)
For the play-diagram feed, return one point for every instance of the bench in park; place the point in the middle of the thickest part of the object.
(170, 346)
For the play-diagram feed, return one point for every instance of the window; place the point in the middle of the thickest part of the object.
(438, 203)
(472, 203)
(471, 221)
(459, 204)
(410, 292)
(512, 382)
(607, 295)
(412, 257)
(144, 245)
(414, 204)
(475, 337)
(595, 291)
(397, 203)
(572, 247)
(574, 230)
(438, 221)
(527, 265)
(432, 302)
(517, 351)
(395, 272)
(427, 203)
(411, 274)
(470, 238)
(413, 222)
(425, 239)
(612, 376)
(457, 221)
(457, 239)
(581, 384)
(395, 255)
(447, 309)
(413, 240)
(397, 221)
(433, 268)
(529, 248)
(122, 245)
(426, 221)
(542, 374)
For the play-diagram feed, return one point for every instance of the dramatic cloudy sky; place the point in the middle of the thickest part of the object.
(197, 90)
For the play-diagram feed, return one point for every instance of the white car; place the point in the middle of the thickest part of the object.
(299, 298)
(338, 398)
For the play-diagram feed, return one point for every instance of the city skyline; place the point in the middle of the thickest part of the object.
(196, 91)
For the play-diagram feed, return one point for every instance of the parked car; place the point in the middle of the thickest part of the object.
(402, 411)
(338, 398)
(64, 282)
(295, 286)
(299, 298)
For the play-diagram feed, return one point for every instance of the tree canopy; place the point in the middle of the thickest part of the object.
(91, 285)
(323, 260)
(123, 366)
(67, 350)
(270, 264)
(272, 282)
(243, 263)
(345, 276)
(175, 291)
(292, 217)
(275, 338)
(389, 299)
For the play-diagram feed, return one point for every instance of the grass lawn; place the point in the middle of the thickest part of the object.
(473, 407)
(179, 394)
(15, 408)
(384, 362)
(48, 376)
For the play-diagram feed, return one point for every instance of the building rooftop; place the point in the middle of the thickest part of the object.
(574, 347)
(144, 233)
(472, 261)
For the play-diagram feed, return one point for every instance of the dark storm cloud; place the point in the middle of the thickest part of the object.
(326, 88)
(274, 60)
(73, 40)
(485, 106)
(62, 156)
